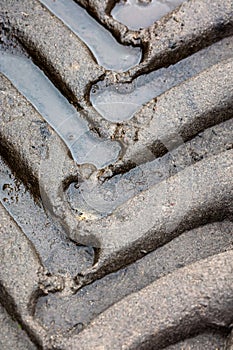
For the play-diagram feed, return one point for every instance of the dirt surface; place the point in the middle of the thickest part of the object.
(136, 254)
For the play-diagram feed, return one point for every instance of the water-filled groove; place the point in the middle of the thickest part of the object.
(84, 146)
(108, 52)
(119, 102)
(58, 254)
(141, 14)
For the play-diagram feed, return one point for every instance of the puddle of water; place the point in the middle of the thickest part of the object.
(108, 52)
(58, 254)
(84, 146)
(118, 103)
(136, 14)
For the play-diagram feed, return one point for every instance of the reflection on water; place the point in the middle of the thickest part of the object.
(119, 102)
(108, 52)
(57, 253)
(136, 14)
(84, 146)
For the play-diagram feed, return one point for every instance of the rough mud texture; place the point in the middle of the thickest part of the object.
(209, 340)
(193, 25)
(77, 310)
(20, 272)
(150, 318)
(12, 334)
(184, 112)
(138, 255)
(64, 57)
(229, 345)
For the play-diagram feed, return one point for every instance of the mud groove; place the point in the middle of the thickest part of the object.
(135, 253)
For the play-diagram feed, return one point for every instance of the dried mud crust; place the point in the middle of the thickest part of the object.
(157, 272)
